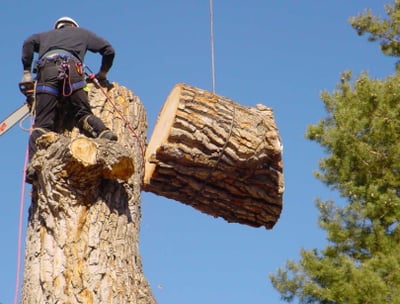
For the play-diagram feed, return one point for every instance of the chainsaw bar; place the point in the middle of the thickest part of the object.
(14, 118)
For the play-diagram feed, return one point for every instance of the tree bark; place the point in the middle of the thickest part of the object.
(217, 156)
(83, 227)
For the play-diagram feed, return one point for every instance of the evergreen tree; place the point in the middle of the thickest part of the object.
(361, 263)
(386, 31)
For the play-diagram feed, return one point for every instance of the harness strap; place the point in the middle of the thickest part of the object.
(53, 56)
(54, 91)
(65, 61)
(46, 89)
(56, 53)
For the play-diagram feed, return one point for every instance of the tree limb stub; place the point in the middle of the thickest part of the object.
(217, 156)
(83, 159)
(115, 161)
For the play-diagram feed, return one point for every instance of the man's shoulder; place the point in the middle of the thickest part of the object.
(43, 34)
(49, 32)
(76, 31)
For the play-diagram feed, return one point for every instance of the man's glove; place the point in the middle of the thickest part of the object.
(103, 81)
(28, 89)
(27, 77)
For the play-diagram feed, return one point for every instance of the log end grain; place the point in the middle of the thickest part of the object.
(161, 130)
(84, 150)
(123, 169)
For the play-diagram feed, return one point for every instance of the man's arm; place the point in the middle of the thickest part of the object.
(97, 44)
(29, 47)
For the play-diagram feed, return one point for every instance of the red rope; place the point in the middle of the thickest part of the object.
(21, 217)
(96, 82)
(20, 230)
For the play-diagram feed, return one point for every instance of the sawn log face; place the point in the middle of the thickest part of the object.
(217, 156)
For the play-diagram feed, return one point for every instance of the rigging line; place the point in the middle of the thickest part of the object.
(212, 46)
(221, 152)
(21, 123)
(20, 229)
(123, 117)
(128, 125)
(22, 198)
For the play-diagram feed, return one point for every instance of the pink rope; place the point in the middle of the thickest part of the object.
(20, 230)
(127, 124)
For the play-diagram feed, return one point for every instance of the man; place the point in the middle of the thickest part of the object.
(60, 76)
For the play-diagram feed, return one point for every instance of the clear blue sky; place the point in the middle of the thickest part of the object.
(279, 53)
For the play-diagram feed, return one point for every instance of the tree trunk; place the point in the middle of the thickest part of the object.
(217, 156)
(83, 229)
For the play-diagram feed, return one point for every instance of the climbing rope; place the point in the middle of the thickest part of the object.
(20, 221)
(93, 78)
(22, 197)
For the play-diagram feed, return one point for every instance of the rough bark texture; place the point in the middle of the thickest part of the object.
(217, 156)
(83, 229)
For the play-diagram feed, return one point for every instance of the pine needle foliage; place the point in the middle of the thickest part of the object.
(385, 31)
(361, 138)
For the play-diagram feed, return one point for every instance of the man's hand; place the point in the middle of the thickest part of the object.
(103, 81)
(101, 75)
(27, 77)
(28, 88)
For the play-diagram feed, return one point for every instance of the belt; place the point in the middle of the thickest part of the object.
(57, 53)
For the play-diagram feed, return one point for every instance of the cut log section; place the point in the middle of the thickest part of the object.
(114, 160)
(217, 156)
(97, 158)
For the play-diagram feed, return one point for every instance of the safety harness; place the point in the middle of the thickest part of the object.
(70, 72)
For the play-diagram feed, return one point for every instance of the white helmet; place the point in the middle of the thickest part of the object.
(65, 20)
